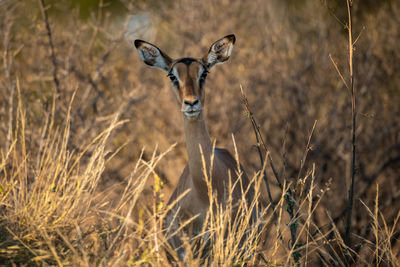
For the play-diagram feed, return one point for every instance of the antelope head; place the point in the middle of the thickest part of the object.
(188, 75)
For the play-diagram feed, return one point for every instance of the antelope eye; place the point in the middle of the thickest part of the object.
(174, 80)
(172, 77)
(203, 76)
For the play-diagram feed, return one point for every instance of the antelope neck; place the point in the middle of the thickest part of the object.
(196, 135)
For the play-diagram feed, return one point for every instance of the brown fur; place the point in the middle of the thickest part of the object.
(188, 76)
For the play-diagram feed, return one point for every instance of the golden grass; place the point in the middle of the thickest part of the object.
(52, 213)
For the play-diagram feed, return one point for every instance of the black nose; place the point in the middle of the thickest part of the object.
(191, 103)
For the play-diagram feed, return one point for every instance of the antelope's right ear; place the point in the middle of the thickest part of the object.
(153, 56)
(220, 51)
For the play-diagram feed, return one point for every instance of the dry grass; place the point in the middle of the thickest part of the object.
(86, 162)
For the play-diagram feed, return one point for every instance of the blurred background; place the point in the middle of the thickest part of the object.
(281, 58)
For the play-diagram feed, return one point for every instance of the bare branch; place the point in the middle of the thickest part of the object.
(332, 13)
(359, 35)
(338, 71)
(260, 140)
(51, 44)
(347, 237)
(306, 150)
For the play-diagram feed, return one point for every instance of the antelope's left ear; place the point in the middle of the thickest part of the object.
(220, 51)
(153, 56)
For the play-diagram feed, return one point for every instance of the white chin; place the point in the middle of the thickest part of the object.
(191, 115)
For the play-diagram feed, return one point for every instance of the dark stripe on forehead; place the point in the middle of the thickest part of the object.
(186, 60)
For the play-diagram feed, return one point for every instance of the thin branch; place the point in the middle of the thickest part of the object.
(51, 44)
(303, 160)
(284, 158)
(353, 130)
(7, 64)
(359, 35)
(332, 13)
(338, 71)
(260, 141)
(288, 193)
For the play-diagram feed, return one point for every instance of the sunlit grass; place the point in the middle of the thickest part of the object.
(52, 212)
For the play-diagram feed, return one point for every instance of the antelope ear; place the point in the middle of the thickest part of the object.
(153, 56)
(220, 51)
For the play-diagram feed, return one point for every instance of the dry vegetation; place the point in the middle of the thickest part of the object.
(87, 159)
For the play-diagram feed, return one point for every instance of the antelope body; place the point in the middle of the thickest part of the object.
(188, 76)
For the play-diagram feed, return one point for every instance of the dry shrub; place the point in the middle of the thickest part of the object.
(75, 181)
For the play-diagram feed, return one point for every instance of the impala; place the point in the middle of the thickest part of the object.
(188, 76)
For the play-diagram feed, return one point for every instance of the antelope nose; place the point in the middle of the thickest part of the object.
(189, 103)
